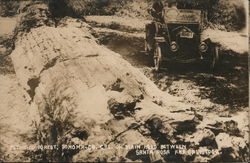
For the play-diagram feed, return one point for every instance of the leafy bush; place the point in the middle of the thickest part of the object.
(95, 7)
(231, 14)
(8, 8)
(222, 14)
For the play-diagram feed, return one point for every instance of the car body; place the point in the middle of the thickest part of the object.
(178, 38)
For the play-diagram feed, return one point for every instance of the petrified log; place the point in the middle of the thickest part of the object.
(79, 86)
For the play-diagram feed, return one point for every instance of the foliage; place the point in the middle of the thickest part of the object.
(96, 7)
(231, 14)
(55, 128)
(222, 14)
(8, 8)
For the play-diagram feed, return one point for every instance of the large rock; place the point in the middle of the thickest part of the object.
(231, 147)
(88, 95)
(78, 87)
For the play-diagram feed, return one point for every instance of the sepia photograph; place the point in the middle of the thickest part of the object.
(124, 81)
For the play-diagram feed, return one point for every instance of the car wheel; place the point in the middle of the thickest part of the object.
(214, 57)
(157, 57)
(149, 34)
(146, 40)
(146, 47)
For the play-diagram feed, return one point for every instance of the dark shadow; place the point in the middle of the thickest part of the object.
(130, 48)
(60, 9)
(227, 85)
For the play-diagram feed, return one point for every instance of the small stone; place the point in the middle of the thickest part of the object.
(155, 157)
(203, 137)
(121, 110)
(231, 127)
(223, 141)
(2, 49)
(231, 146)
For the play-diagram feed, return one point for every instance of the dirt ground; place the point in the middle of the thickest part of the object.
(217, 95)
(227, 86)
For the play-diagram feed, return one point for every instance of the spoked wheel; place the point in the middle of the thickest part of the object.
(146, 48)
(149, 41)
(157, 57)
(214, 57)
(146, 45)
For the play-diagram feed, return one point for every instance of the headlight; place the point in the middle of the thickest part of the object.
(174, 46)
(203, 47)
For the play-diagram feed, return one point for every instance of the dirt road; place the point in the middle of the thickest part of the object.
(219, 94)
(227, 86)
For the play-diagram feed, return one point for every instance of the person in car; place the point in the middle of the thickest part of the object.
(172, 11)
(157, 10)
(172, 4)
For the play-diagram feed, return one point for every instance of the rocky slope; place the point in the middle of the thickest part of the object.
(15, 122)
(90, 104)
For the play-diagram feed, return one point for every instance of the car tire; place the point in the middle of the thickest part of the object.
(157, 57)
(149, 37)
(146, 47)
(214, 57)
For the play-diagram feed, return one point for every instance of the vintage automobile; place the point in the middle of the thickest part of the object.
(178, 39)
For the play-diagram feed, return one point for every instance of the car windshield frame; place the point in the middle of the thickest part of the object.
(183, 16)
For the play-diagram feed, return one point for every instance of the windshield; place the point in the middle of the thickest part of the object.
(173, 15)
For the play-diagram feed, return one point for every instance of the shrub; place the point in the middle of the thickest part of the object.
(231, 14)
(8, 8)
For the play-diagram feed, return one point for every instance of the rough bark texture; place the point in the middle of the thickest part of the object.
(86, 94)
(80, 85)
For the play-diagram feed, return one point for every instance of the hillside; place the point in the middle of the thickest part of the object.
(222, 14)
(79, 100)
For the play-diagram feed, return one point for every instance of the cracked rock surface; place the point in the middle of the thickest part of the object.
(82, 93)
